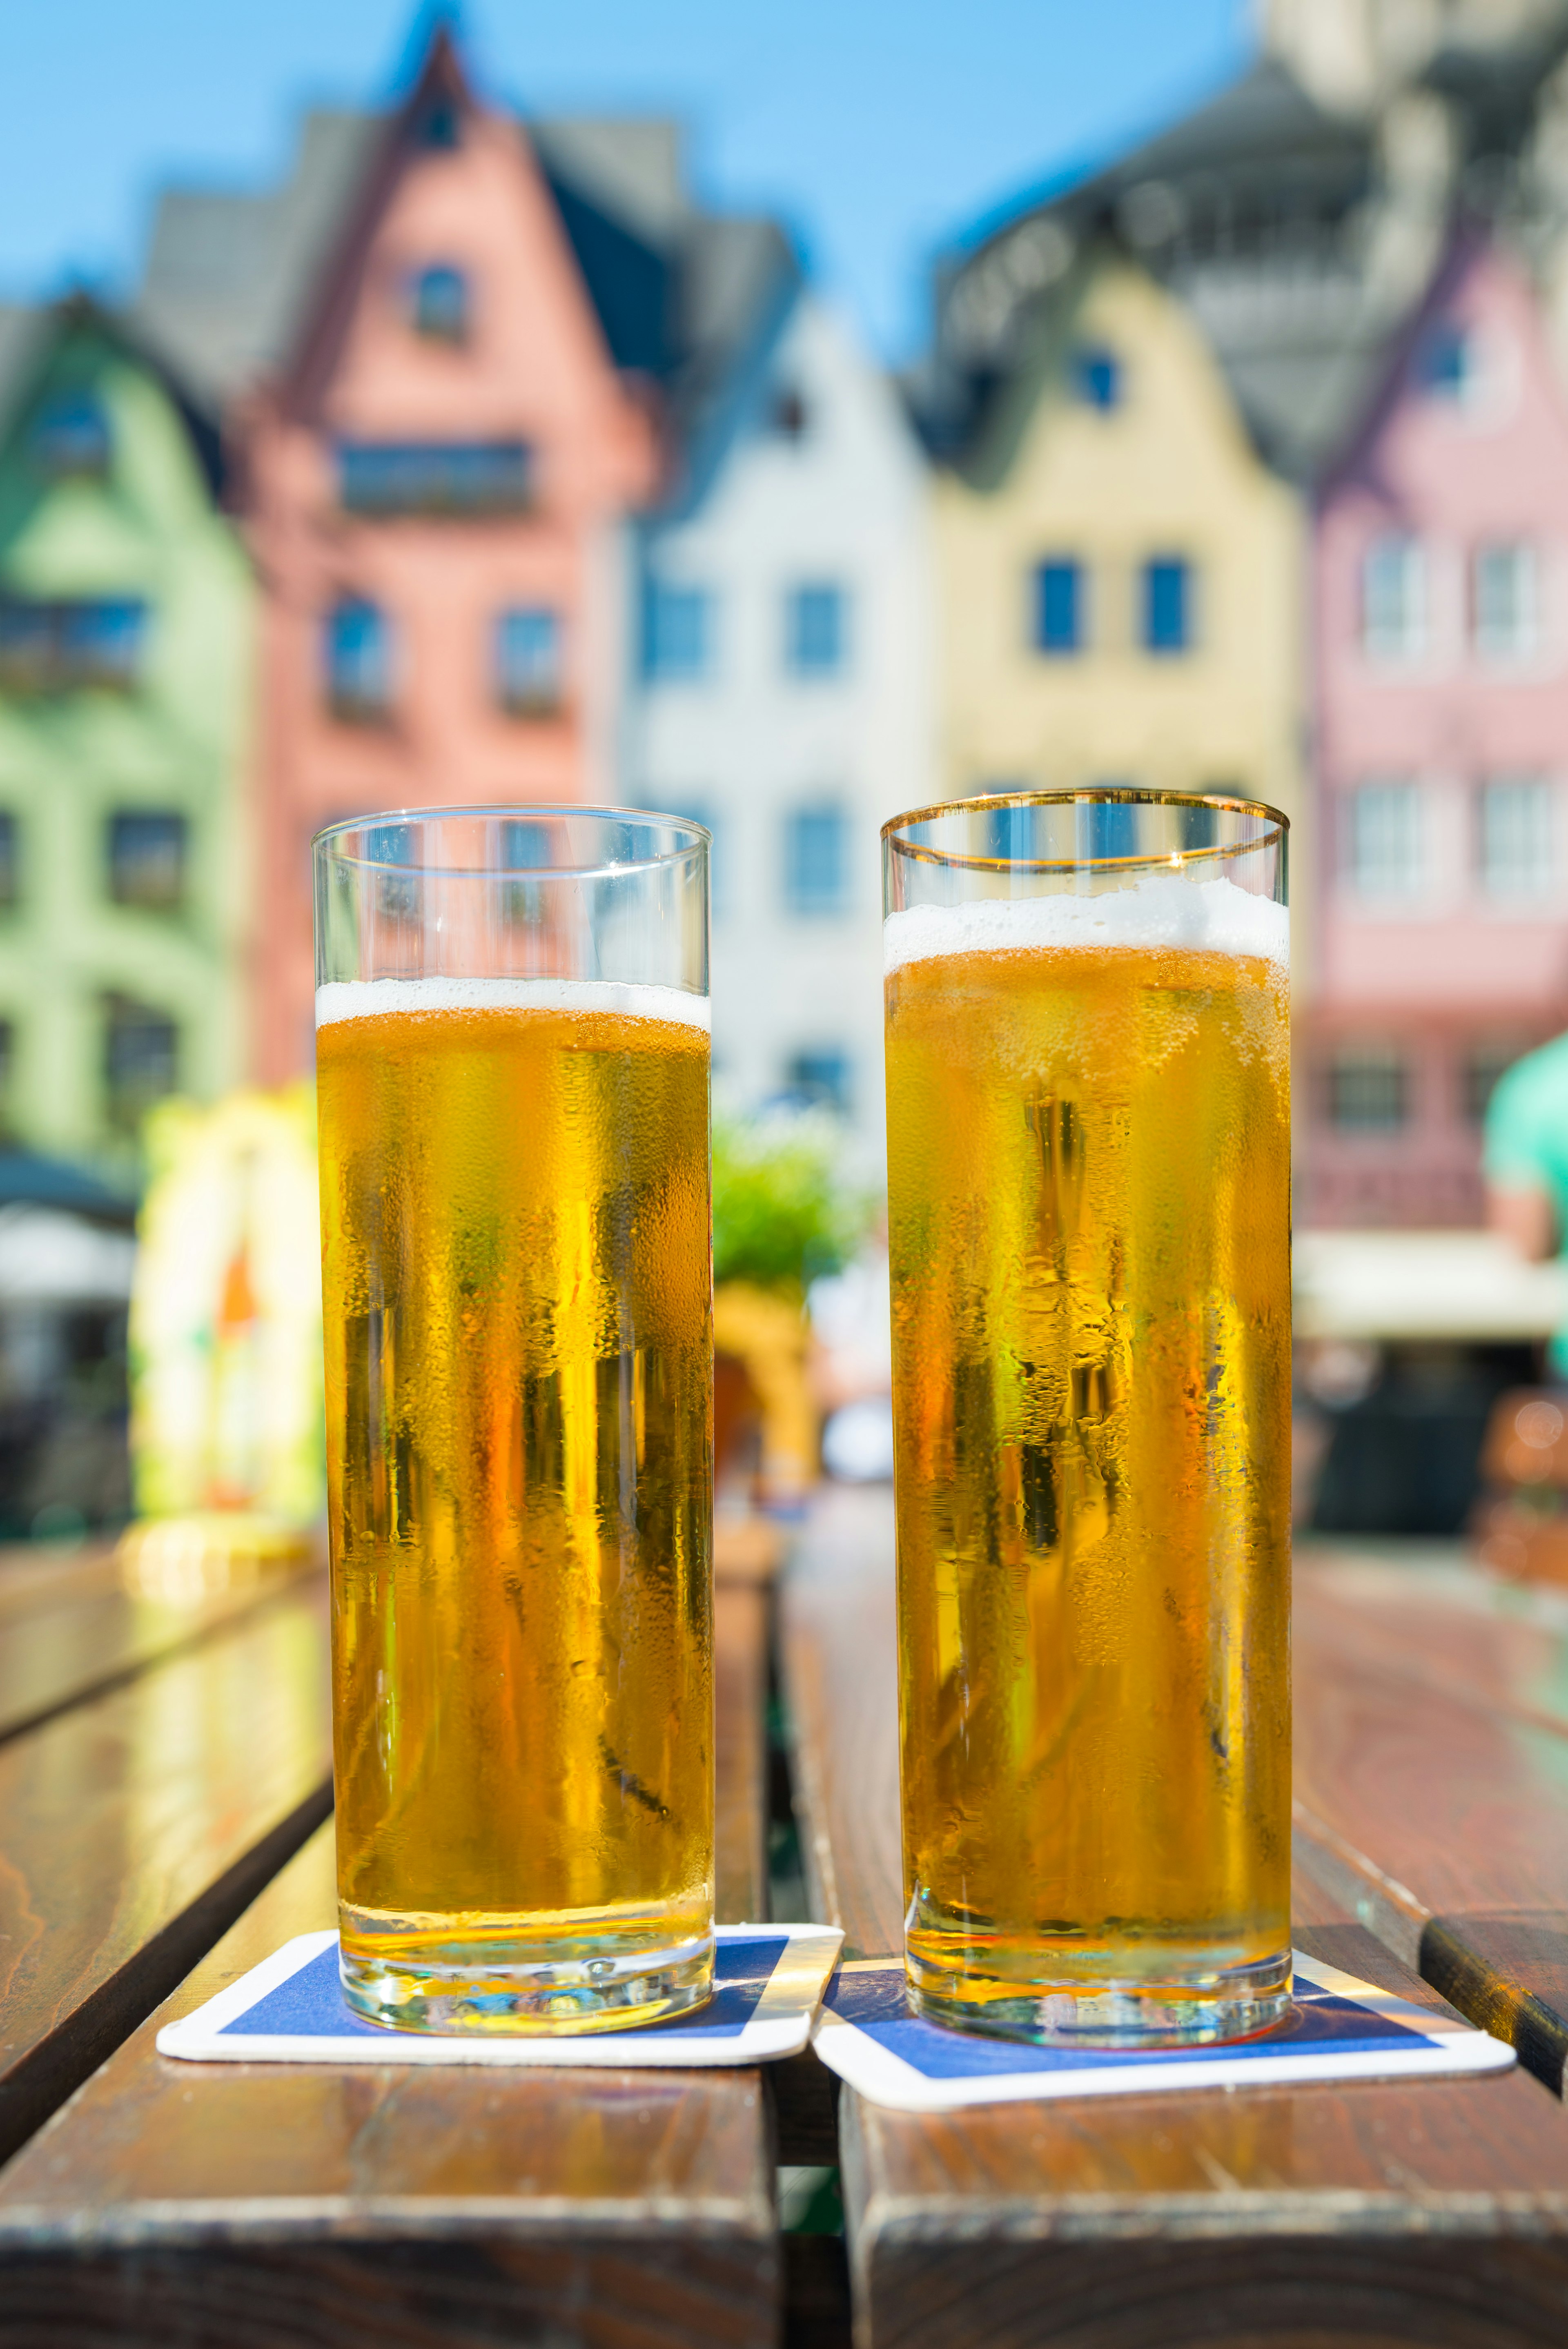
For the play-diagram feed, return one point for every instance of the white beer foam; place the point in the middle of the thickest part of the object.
(366, 998)
(1156, 911)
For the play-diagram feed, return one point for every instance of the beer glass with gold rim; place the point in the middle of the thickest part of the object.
(1088, 1155)
(512, 1058)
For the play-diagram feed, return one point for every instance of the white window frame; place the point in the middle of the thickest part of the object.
(1387, 802)
(1520, 638)
(1412, 638)
(1531, 877)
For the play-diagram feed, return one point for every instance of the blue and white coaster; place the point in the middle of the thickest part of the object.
(291, 2010)
(1339, 2029)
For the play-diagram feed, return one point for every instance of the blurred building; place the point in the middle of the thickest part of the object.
(783, 690)
(126, 611)
(1119, 572)
(1442, 702)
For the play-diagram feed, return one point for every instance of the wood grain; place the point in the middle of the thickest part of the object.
(1435, 2214)
(259, 2205)
(95, 1635)
(135, 1827)
(1432, 1779)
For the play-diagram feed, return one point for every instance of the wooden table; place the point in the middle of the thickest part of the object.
(1432, 1775)
(163, 1785)
(1435, 2214)
(235, 2206)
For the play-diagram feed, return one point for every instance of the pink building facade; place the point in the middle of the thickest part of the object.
(1441, 623)
(434, 493)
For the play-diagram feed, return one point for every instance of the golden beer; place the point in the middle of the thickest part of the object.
(1089, 1217)
(519, 1393)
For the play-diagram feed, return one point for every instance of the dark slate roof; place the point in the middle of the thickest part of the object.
(1261, 210)
(1248, 208)
(229, 276)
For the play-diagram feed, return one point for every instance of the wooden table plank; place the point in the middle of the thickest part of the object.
(95, 1633)
(242, 2205)
(1432, 1779)
(134, 1830)
(1435, 2214)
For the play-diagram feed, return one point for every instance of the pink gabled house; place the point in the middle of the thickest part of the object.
(1441, 621)
(433, 490)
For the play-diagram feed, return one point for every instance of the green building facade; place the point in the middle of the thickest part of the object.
(126, 643)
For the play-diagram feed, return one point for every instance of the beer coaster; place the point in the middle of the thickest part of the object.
(291, 2010)
(1339, 2029)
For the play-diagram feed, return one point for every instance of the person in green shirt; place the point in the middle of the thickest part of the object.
(1525, 1160)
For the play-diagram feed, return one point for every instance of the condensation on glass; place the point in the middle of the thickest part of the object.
(1088, 1154)
(513, 1054)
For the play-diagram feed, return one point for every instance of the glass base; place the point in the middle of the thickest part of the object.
(413, 1975)
(1169, 2007)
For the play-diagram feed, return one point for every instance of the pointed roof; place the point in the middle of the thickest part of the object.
(29, 337)
(232, 278)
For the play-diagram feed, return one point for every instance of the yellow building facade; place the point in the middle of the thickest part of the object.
(1121, 578)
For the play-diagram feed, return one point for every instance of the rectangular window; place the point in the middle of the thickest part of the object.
(1394, 599)
(821, 1077)
(1505, 603)
(1368, 1091)
(358, 655)
(1168, 619)
(147, 859)
(1097, 377)
(816, 630)
(691, 807)
(816, 861)
(1060, 606)
(1518, 837)
(10, 873)
(1385, 839)
(383, 479)
(676, 632)
(1479, 1074)
(65, 646)
(7, 1071)
(528, 662)
(141, 1060)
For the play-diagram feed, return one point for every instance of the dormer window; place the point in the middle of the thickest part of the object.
(441, 125)
(789, 418)
(1096, 378)
(1448, 365)
(70, 437)
(440, 305)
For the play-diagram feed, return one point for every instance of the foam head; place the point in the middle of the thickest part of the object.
(1159, 910)
(369, 999)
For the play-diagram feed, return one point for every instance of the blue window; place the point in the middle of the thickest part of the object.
(1097, 377)
(57, 647)
(816, 630)
(10, 864)
(141, 1060)
(1167, 600)
(1108, 827)
(441, 126)
(387, 478)
(822, 1078)
(528, 661)
(1060, 605)
(147, 858)
(695, 809)
(1446, 363)
(440, 305)
(816, 861)
(359, 657)
(1012, 832)
(70, 437)
(677, 631)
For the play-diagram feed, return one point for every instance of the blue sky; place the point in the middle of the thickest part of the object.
(881, 129)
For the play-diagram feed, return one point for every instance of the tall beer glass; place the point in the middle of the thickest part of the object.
(512, 1035)
(1088, 1145)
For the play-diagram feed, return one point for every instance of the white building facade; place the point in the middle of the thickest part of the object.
(783, 694)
